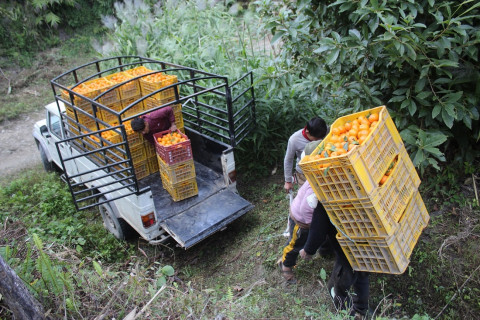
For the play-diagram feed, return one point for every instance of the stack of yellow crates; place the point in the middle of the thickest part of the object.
(175, 161)
(370, 192)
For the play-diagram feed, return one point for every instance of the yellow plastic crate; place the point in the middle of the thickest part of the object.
(127, 90)
(390, 254)
(152, 164)
(87, 121)
(378, 214)
(179, 119)
(357, 173)
(154, 82)
(141, 169)
(110, 117)
(150, 103)
(112, 136)
(182, 190)
(149, 150)
(135, 109)
(137, 153)
(177, 172)
(134, 138)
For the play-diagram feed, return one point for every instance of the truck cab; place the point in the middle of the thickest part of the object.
(130, 204)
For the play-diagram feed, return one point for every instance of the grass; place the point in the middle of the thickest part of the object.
(230, 274)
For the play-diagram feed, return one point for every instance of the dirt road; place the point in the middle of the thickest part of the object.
(18, 150)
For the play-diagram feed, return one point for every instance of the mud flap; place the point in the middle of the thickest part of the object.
(206, 217)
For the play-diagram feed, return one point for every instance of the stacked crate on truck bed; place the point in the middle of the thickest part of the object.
(117, 93)
(175, 160)
(371, 195)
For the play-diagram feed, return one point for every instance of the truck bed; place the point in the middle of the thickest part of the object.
(209, 182)
(195, 218)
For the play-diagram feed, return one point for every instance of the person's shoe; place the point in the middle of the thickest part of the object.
(287, 273)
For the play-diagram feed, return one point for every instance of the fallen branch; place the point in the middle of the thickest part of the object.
(475, 188)
(256, 283)
(149, 302)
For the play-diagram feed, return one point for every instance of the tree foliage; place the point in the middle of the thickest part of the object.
(31, 25)
(420, 58)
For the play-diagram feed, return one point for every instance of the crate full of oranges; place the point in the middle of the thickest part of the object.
(354, 157)
(173, 147)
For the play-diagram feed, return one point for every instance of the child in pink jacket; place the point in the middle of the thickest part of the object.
(301, 211)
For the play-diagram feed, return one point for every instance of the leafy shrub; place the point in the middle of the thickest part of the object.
(221, 39)
(418, 57)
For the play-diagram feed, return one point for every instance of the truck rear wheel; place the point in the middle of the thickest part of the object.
(117, 226)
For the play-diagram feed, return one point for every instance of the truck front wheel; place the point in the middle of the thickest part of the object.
(47, 165)
(117, 226)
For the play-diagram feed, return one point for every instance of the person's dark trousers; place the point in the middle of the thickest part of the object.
(298, 237)
(343, 279)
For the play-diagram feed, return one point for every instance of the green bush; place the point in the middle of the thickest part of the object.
(420, 58)
(222, 39)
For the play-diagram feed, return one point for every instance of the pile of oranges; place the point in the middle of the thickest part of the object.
(119, 77)
(138, 71)
(345, 137)
(165, 79)
(92, 86)
(170, 139)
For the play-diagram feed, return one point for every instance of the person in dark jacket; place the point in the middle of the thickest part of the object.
(154, 122)
(343, 277)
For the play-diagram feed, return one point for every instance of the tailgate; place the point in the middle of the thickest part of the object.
(206, 217)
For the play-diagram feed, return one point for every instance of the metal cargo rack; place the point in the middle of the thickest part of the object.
(211, 107)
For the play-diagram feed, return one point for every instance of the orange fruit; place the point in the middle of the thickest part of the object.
(355, 123)
(382, 181)
(341, 151)
(364, 126)
(351, 139)
(351, 146)
(373, 124)
(339, 145)
(334, 139)
(373, 117)
(335, 131)
(341, 129)
(352, 133)
(361, 139)
(364, 121)
(363, 133)
(333, 154)
(348, 126)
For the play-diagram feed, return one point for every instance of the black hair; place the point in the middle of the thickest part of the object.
(138, 124)
(317, 127)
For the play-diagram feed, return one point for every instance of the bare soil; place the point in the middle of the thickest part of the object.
(18, 149)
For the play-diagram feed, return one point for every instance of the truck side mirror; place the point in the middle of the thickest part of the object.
(44, 131)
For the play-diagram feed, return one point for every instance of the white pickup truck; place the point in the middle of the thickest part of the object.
(216, 117)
